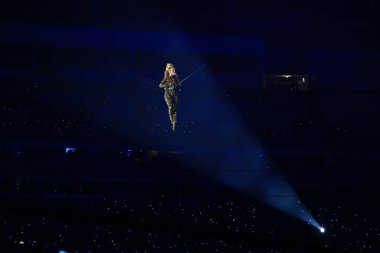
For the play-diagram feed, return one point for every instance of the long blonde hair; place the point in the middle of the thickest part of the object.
(168, 66)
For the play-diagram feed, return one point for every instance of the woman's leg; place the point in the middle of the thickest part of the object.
(168, 103)
(174, 110)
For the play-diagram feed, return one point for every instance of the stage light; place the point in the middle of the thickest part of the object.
(62, 251)
(322, 230)
(70, 150)
(129, 152)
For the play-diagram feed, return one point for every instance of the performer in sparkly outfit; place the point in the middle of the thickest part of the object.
(171, 85)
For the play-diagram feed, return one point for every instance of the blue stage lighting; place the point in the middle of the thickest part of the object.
(129, 152)
(70, 150)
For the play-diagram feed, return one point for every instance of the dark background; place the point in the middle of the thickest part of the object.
(71, 77)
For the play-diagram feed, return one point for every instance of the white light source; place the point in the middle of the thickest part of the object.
(70, 150)
(322, 230)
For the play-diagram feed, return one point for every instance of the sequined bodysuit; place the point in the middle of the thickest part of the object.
(171, 85)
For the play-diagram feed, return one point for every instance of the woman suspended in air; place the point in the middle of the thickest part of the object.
(171, 85)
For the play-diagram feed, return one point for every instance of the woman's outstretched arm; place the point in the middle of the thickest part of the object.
(177, 80)
(163, 83)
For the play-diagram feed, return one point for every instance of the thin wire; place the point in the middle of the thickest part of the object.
(195, 71)
(135, 74)
(136, 78)
(150, 81)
